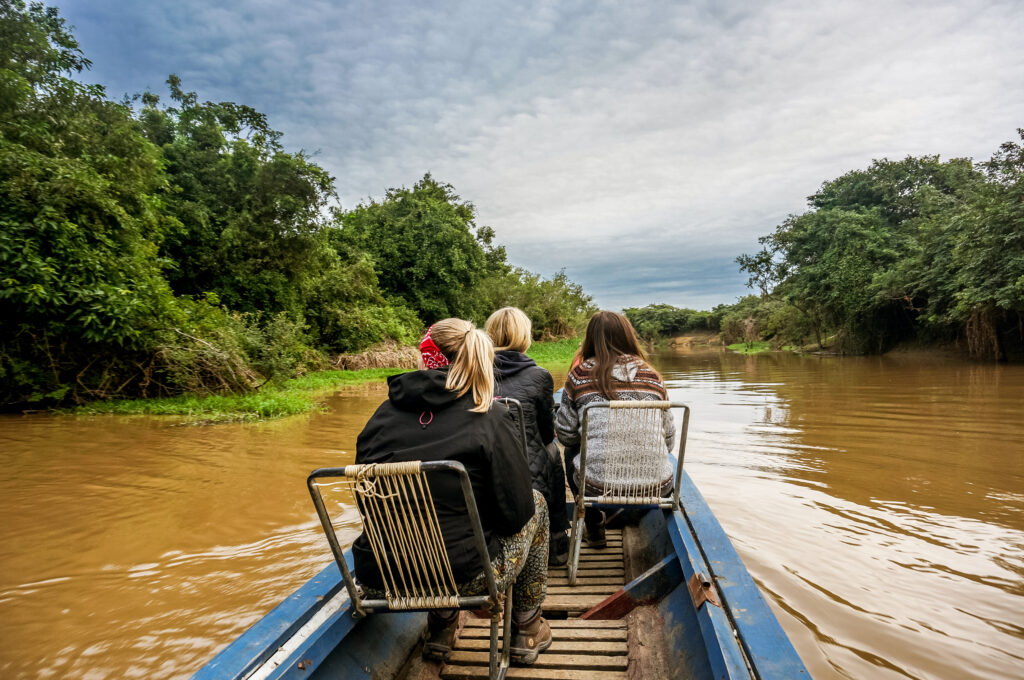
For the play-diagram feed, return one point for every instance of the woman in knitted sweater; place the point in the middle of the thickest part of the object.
(612, 368)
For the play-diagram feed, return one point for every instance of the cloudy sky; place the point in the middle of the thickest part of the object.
(641, 146)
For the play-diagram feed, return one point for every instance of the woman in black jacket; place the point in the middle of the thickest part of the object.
(445, 412)
(519, 377)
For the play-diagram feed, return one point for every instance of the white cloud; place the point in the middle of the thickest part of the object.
(641, 148)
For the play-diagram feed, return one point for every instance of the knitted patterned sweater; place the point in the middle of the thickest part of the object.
(634, 380)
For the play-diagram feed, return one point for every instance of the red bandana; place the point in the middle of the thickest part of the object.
(432, 356)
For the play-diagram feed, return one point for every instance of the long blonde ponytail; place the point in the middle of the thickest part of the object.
(473, 365)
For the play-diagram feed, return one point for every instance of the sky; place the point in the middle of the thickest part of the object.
(639, 146)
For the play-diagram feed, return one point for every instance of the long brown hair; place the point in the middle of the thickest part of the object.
(472, 360)
(609, 337)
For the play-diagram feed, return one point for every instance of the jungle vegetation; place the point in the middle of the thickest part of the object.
(918, 250)
(153, 247)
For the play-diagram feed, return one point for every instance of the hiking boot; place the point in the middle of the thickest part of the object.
(595, 531)
(529, 639)
(440, 636)
(558, 549)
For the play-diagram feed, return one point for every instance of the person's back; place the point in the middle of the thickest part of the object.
(633, 380)
(422, 420)
(517, 376)
(446, 412)
(612, 368)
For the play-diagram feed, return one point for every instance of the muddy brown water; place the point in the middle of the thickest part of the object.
(878, 502)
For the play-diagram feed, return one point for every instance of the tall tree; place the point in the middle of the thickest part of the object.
(253, 217)
(426, 248)
(79, 220)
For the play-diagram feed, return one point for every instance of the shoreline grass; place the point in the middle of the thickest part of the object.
(554, 354)
(296, 396)
(750, 348)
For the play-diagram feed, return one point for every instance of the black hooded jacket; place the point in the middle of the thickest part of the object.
(487, 444)
(519, 377)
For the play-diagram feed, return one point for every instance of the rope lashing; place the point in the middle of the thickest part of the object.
(401, 525)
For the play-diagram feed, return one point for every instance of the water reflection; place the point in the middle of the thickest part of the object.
(877, 500)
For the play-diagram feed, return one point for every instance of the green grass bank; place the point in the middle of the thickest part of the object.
(750, 348)
(554, 355)
(294, 397)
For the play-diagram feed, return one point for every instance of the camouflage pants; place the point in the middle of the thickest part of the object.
(524, 557)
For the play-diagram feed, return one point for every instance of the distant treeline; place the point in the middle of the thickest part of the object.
(153, 249)
(911, 250)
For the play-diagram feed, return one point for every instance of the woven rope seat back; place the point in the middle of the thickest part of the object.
(626, 454)
(398, 513)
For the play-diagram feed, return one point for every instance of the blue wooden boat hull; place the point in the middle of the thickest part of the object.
(313, 634)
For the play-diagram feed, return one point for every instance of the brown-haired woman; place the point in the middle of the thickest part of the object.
(613, 367)
(445, 412)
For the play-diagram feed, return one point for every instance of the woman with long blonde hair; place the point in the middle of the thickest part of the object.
(519, 377)
(445, 411)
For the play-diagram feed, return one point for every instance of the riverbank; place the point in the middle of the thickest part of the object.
(555, 355)
(295, 396)
(750, 347)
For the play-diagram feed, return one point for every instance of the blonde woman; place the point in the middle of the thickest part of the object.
(444, 412)
(519, 377)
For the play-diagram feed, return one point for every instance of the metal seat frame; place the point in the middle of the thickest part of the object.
(499, 659)
(584, 501)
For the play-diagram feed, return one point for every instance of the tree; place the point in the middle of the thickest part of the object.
(253, 218)
(988, 255)
(914, 247)
(80, 284)
(425, 248)
(557, 307)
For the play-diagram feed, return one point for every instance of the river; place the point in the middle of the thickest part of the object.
(877, 501)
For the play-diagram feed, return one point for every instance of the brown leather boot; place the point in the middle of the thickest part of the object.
(529, 639)
(439, 638)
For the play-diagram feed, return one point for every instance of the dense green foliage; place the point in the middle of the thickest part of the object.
(917, 249)
(153, 250)
(295, 396)
(661, 321)
(425, 249)
(911, 249)
(79, 220)
(430, 253)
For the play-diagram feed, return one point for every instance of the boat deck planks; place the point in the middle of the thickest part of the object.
(582, 649)
(601, 573)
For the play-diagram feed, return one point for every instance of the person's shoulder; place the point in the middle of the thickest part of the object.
(648, 374)
(583, 370)
(538, 372)
(643, 364)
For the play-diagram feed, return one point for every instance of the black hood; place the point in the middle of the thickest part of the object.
(421, 390)
(509, 362)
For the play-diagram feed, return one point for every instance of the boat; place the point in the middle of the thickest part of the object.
(668, 597)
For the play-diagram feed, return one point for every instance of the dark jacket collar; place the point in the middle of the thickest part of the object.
(421, 390)
(509, 362)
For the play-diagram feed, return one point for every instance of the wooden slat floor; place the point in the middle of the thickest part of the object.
(601, 573)
(582, 649)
